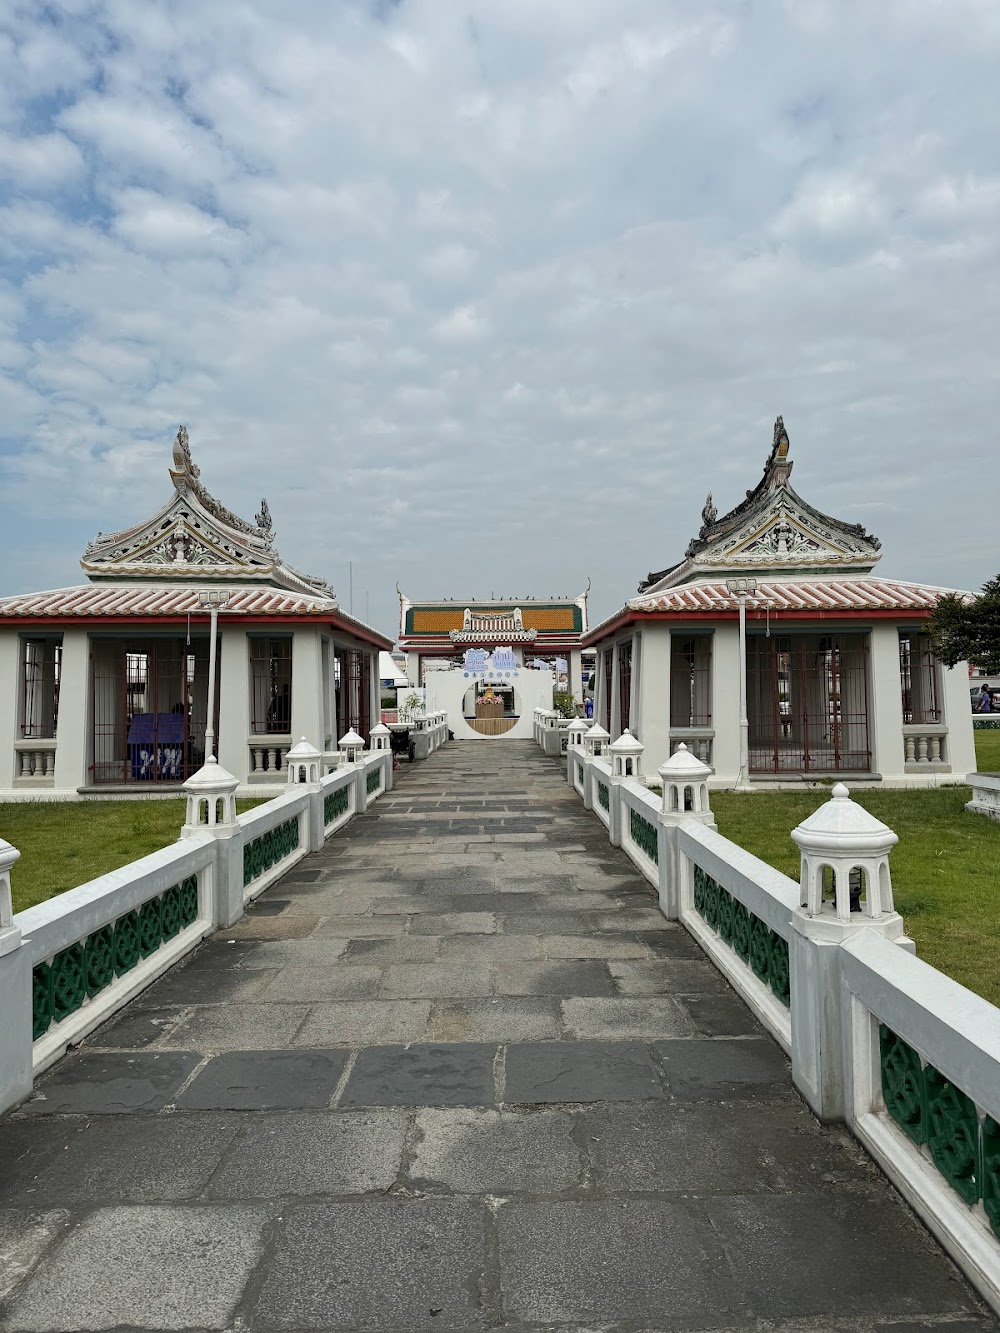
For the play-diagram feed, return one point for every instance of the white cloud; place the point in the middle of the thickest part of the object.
(384, 262)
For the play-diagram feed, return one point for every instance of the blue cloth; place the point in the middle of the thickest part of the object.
(165, 760)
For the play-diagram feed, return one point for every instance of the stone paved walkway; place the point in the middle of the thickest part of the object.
(454, 1071)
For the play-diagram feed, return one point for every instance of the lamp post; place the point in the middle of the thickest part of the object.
(741, 588)
(213, 601)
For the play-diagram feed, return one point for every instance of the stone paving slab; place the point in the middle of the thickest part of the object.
(442, 1079)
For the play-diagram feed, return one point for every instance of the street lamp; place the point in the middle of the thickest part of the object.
(742, 588)
(212, 600)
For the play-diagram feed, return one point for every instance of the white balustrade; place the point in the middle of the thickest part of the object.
(925, 746)
(35, 761)
(267, 757)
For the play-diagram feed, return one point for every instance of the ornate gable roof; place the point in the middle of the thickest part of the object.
(771, 530)
(195, 538)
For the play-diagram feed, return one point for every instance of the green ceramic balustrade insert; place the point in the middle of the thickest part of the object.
(644, 836)
(336, 805)
(751, 939)
(266, 851)
(83, 970)
(579, 773)
(373, 782)
(602, 796)
(938, 1116)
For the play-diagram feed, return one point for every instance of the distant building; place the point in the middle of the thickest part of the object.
(440, 632)
(840, 675)
(104, 687)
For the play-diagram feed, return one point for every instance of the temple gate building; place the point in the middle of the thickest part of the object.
(543, 632)
(104, 687)
(839, 674)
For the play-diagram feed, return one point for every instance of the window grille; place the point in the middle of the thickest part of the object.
(353, 670)
(808, 703)
(271, 686)
(149, 704)
(690, 678)
(624, 685)
(918, 678)
(41, 669)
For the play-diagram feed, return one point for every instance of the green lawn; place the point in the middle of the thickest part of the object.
(988, 750)
(63, 844)
(945, 867)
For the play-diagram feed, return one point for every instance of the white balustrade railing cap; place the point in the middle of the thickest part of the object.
(683, 766)
(8, 855)
(626, 744)
(578, 725)
(841, 826)
(211, 777)
(380, 729)
(349, 740)
(597, 733)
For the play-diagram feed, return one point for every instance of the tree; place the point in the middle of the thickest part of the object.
(968, 631)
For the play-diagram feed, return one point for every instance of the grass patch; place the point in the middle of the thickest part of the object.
(988, 749)
(945, 867)
(66, 843)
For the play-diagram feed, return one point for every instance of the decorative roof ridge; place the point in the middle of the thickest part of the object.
(186, 476)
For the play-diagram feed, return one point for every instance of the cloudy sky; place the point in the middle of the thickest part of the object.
(485, 295)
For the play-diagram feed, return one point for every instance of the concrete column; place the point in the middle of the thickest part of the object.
(307, 685)
(75, 713)
(9, 663)
(956, 713)
(574, 662)
(234, 700)
(614, 712)
(653, 703)
(885, 701)
(726, 703)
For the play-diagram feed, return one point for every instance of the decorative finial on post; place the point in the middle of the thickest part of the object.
(211, 800)
(685, 787)
(626, 756)
(302, 763)
(845, 860)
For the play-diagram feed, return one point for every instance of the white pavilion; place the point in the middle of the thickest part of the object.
(833, 675)
(104, 686)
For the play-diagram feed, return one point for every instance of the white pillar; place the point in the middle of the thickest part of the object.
(234, 700)
(653, 705)
(9, 664)
(726, 703)
(956, 714)
(75, 712)
(885, 702)
(307, 682)
(574, 665)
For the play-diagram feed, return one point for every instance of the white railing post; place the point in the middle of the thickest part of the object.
(15, 995)
(844, 887)
(626, 762)
(304, 766)
(575, 733)
(211, 808)
(685, 796)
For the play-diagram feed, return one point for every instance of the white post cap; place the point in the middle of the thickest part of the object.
(380, 729)
(350, 741)
(842, 828)
(683, 767)
(597, 733)
(626, 744)
(578, 725)
(302, 753)
(210, 779)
